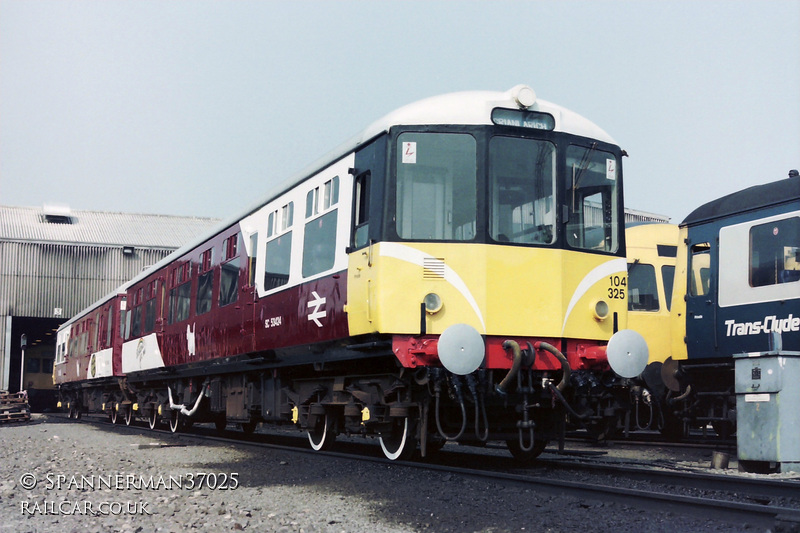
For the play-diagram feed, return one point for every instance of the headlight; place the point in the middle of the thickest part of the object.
(601, 310)
(433, 303)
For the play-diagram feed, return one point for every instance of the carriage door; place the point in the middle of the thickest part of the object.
(701, 301)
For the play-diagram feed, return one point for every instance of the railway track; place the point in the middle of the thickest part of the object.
(759, 502)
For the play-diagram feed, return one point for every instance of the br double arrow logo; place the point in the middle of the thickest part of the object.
(316, 304)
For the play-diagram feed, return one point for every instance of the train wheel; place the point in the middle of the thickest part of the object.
(249, 427)
(113, 413)
(174, 421)
(152, 418)
(221, 423)
(128, 415)
(322, 435)
(524, 456)
(77, 415)
(399, 443)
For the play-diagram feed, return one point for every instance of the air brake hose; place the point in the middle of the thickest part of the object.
(480, 408)
(437, 394)
(560, 398)
(516, 363)
(682, 396)
(560, 356)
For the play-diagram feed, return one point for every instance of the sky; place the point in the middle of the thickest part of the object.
(199, 108)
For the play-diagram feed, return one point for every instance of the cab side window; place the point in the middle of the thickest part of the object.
(642, 288)
(700, 274)
(775, 252)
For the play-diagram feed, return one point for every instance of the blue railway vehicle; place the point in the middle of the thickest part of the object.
(737, 281)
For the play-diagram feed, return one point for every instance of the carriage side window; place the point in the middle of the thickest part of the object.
(123, 316)
(133, 324)
(135, 318)
(205, 283)
(229, 272)
(642, 287)
(592, 194)
(251, 260)
(279, 247)
(522, 181)
(321, 199)
(150, 315)
(150, 307)
(61, 349)
(92, 337)
(229, 282)
(775, 252)
(700, 269)
(319, 241)
(279, 251)
(73, 341)
(287, 212)
(110, 324)
(180, 295)
(436, 196)
(100, 341)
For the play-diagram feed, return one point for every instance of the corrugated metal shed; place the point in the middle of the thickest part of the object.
(54, 261)
(37, 279)
(49, 224)
(632, 215)
(57, 259)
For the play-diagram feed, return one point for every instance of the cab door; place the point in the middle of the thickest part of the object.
(701, 294)
(369, 176)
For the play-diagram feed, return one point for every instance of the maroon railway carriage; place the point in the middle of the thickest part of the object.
(439, 271)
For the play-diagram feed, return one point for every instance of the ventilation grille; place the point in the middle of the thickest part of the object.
(56, 214)
(432, 268)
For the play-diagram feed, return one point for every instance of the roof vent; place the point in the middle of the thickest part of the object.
(57, 214)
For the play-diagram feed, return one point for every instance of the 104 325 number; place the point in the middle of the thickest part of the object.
(617, 285)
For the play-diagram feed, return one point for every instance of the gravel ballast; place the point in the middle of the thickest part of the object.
(49, 465)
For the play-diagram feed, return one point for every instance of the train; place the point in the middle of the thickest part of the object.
(454, 272)
(652, 250)
(722, 283)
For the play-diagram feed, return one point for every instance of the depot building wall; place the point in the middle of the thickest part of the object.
(44, 284)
